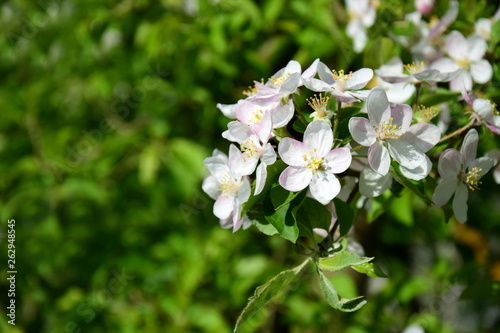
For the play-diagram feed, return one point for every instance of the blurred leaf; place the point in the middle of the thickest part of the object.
(345, 216)
(440, 95)
(403, 28)
(412, 185)
(369, 269)
(149, 163)
(483, 290)
(341, 260)
(378, 52)
(335, 301)
(266, 292)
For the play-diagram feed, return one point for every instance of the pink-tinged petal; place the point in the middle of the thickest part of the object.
(427, 75)
(450, 163)
(344, 97)
(319, 135)
(462, 81)
(423, 136)
(483, 163)
(469, 147)
(211, 187)
(224, 206)
(260, 178)
(377, 106)
(292, 152)
(460, 203)
(447, 77)
(293, 67)
(216, 166)
(264, 128)
(378, 158)
(405, 153)
(226, 223)
(401, 116)
(444, 191)
(269, 155)
(372, 184)
(445, 65)
(237, 132)
(394, 78)
(283, 115)
(420, 172)
(362, 131)
(317, 85)
(338, 160)
(295, 178)
(394, 66)
(244, 191)
(481, 71)
(291, 83)
(456, 46)
(359, 79)
(477, 47)
(228, 110)
(360, 94)
(483, 108)
(325, 74)
(246, 112)
(311, 70)
(468, 98)
(237, 221)
(324, 186)
(424, 6)
(235, 160)
(494, 128)
(399, 92)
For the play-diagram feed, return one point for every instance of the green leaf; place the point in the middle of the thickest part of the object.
(266, 292)
(378, 52)
(312, 214)
(412, 185)
(345, 216)
(345, 115)
(484, 290)
(438, 96)
(333, 298)
(341, 260)
(369, 269)
(403, 28)
(495, 32)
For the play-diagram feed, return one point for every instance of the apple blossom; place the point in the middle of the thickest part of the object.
(388, 133)
(396, 92)
(485, 110)
(313, 163)
(227, 185)
(424, 6)
(319, 105)
(467, 57)
(460, 171)
(362, 15)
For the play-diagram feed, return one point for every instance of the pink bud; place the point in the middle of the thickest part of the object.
(424, 6)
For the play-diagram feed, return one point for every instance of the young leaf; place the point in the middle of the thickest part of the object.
(341, 260)
(345, 216)
(369, 269)
(333, 298)
(266, 292)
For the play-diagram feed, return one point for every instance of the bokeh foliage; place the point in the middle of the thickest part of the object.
(108, 110)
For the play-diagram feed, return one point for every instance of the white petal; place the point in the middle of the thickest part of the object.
(324, 186)
(394, 66)
(405, 153)
(444, 191)
(477, 47)
(290, 85)
(269, 155)
(237, 132)
(456, 46)
(359, 79)
(325, 74)
(338, 160)
(344, 97)
(483, 108)
(481, 71)
(372, 184)
(401, 115)
(462, 81)
(228, 110)
(420, 172)
(378, 158)
(423, 136)
(293, 67)
(264, 128)
(295, 178)
(292, 151)
(377, 106)
(244, 191)
(460, 203)
(211, 187)
(483, 163)
(399, 92)
(260, 178)
(469, 147)
(450, 163)
(319, 135)
(283, 115)
(311, 71)
(362, 131)
(445, 65)
(224, 206)
(317, 85)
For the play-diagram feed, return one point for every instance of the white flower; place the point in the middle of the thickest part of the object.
(361, 16)
(388, 133)
(344, 87)
(483, 25)
(313, 163)
(424, 6)
(227, 185)
(397, 92)
(467, 57)
(485, 110)
(254, 146)
(460, 171)
(251, 113)
(495, 155)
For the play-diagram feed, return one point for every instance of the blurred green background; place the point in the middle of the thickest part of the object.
(107, 112)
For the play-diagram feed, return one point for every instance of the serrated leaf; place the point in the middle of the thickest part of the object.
(333, 298)
(369, 269)
(341, 260)
(345, 216)
(266, 292)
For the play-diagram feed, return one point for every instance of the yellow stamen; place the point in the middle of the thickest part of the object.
(388, 130)
(257, 116)
(251, 91)
(414, 67)
(472, 178)
(340, 76)
(314, 163)
(463, 63)
(249, 149)
(228, 186)
(319, 105)
(278, 81)
(427, 113)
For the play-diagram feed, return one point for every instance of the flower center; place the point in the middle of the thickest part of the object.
(249, 149)
(415, 67)
(427, 113)
(256, 116)
(252, 91)
(464, 63)
(341, 78)
(278, 81)
(472, 178)
(313, 163)
(319, 105)
(388, 130)
(228, 186)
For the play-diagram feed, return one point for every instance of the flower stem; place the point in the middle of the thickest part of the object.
(357, 147)
(336, 120)
(458, 131)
